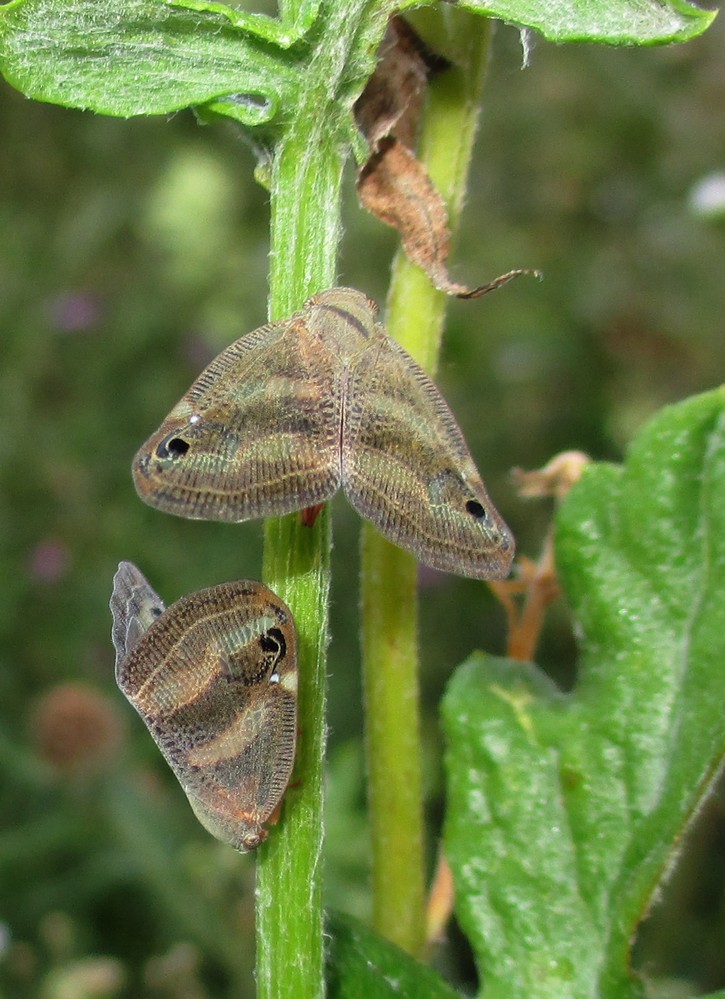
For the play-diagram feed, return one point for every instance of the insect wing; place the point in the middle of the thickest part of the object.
(290, 412)
(215, 681)
(256, 435)
(135, 605)
(407, 468)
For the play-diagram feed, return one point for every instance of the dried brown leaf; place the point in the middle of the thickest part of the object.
(556, 477)
(393, 185)
(396, 188)
(392, 100)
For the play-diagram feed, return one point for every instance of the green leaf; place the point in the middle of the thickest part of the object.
(565, 811)
(130, 57)
(615, 22)
(292, 24)
(363, 965)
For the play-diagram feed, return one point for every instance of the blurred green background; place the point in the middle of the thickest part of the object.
(131, 252)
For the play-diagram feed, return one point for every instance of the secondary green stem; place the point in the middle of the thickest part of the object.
(389, 595)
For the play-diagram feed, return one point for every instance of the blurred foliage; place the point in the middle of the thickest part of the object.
(131, 253)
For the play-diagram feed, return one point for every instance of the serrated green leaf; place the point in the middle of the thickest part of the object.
(362, 965)
(565, 812)
(614, 22)
(130, 57)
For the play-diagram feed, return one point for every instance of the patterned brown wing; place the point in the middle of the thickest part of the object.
(256, 435)
(407, 468)
(215, 680)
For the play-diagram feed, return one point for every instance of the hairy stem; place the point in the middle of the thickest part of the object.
(305, 232)
(297, 567)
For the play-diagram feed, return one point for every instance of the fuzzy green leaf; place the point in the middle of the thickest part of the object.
(294, 21)
(363, 965)
(565, 812)
(130, 57)
(614, 22)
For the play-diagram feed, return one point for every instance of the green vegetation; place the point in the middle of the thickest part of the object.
(131, 253)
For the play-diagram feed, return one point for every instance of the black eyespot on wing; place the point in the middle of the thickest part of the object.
(475, 509)
(273, 644)
(172, 446)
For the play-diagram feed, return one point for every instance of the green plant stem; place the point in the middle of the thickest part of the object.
(390, 657)
(414, 318)
(305, 231)
(297, 567)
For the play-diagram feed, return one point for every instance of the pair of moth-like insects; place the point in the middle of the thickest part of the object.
(277, 423)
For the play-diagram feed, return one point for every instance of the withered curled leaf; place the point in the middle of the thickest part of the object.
(393, 184)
